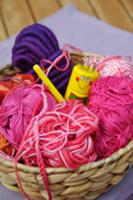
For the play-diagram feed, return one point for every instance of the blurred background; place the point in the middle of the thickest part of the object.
(16, 14)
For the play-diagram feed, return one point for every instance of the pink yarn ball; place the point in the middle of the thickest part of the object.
(115, 66)
(61, 138)
(111, 99)
(17, 109)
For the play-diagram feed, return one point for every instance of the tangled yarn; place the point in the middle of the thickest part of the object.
(115, 65)
(16, 111)
(32, 44)
(111, 99)
(64, 136)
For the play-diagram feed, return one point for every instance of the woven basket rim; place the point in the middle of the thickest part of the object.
(115, 156)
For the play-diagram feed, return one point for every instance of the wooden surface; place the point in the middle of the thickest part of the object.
(16, 14)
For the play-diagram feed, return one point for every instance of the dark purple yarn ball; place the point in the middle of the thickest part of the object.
(32, 44)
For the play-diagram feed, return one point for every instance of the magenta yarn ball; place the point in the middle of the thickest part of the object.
(111, 99)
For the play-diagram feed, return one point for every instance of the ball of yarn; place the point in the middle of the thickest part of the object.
(115, 66)
(17, 109)
(32, 44)
(58, 77)
(111, 99)
(5, 146)
(12, 82)
(62, 137)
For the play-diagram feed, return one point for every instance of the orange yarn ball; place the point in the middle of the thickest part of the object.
(5, 146)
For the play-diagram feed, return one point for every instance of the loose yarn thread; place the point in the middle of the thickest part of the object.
(111, 99)
(46, 104)
(59, 75)
(59, 67)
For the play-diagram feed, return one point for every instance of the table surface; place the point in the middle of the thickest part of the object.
(16, 14)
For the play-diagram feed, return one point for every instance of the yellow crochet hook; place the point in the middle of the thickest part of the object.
(48, 83)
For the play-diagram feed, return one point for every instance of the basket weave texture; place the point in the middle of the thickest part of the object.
(87, 182)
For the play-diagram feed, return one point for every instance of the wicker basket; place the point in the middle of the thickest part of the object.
(87, 182)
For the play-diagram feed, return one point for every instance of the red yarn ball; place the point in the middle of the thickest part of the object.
(62, 137)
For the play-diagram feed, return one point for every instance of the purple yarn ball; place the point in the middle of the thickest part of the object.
(32, 44)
